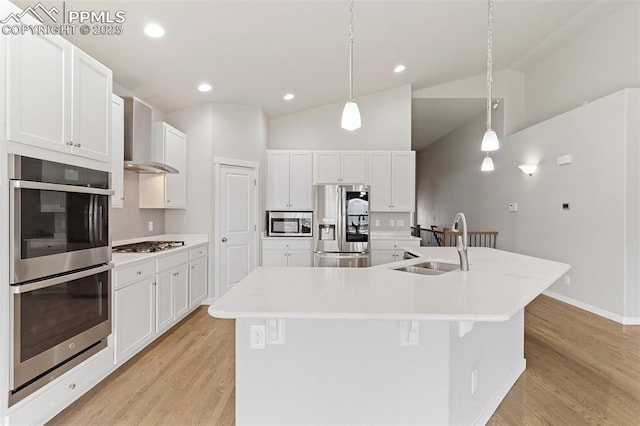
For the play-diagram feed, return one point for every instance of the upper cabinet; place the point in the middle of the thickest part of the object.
(59, 98)
(166, 191)
(117, 151)
(340, 167)
(289, 185)
(393, 181)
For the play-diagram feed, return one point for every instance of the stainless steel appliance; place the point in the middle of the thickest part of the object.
(342, 225)
(290, 224)
(59, 218)
(147, 246)
(60, 250)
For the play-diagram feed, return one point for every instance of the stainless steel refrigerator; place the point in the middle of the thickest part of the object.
(341, 237)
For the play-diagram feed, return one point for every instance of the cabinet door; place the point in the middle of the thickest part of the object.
(403, 179)
(175, 156)
(301, 181)
(274, 258)
(326, 167)
(91, 108)
(117, 151)
(278, 180)
(38, 84)
(164, 301)
(180, 284)
(197, 282)
(380, 191)
(354, 168)
(300, 258)
(134, 318)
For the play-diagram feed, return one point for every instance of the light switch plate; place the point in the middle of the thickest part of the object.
(513, 207)
(150, 225)
(400, 222)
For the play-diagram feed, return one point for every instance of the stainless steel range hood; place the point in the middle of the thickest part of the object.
(138, 152)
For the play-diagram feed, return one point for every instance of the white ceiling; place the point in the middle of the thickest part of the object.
(253, 52)
(431, 119)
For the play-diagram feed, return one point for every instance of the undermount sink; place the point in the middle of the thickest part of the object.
(429, 268)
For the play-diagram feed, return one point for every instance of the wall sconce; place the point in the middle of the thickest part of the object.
(528, 168)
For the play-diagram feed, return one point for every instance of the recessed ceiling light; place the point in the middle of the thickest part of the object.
(399, 69)
(288, 96)
(154, 30)
(205, 87)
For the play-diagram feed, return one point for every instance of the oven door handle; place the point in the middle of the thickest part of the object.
(25, 288)
(25, 184)
(91, 220)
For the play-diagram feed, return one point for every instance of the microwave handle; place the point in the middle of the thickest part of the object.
(25, 184)
(25, 288)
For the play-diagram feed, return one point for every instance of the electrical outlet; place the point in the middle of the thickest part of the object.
(513, 207)
(377, 223)
(400, 223)
(392, 223)
(567, 280)
(257, 337)
(474, 381)
(150, 225)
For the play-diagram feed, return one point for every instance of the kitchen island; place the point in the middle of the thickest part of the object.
(379, 345)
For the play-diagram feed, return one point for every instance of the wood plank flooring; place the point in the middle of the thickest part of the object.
(581, 369)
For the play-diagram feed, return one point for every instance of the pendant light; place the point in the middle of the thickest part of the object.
(490, 140)
(487, 164)
(351, 113)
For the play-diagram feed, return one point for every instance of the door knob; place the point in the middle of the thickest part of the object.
(224, 239)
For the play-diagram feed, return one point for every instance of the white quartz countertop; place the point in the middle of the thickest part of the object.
(498, 285)
(190, 241)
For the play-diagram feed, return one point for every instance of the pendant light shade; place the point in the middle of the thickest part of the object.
(490, 141)
(351, 116)
(487, 164)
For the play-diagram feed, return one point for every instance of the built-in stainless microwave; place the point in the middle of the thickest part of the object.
(290, 224)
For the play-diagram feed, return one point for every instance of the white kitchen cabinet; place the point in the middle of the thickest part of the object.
(166, 191)
(393, 181)
(289, 180)
(134, 309)
(172, 290)
(340, 167)
(117, 151)
(198, 276)
(287, 252)
(59, 98)
(92, 99)
(388, 251)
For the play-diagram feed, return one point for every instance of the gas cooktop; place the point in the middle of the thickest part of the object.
(147, 246)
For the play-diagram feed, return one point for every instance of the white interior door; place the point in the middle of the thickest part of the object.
(238, 225)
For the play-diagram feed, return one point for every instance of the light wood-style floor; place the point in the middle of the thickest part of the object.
(581, 369)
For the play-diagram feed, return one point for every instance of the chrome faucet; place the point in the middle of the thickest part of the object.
(461, 241)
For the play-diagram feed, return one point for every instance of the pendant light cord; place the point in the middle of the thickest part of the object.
(351, 50)
(489, 61)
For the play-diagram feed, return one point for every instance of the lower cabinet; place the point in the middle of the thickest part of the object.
(389, 251)
(150, 297)
(287, 252)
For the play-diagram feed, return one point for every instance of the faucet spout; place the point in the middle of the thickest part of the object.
(461, 240)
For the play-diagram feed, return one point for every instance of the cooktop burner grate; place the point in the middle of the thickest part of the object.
(147, 246)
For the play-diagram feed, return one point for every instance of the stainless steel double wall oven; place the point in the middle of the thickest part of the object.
(60, 277)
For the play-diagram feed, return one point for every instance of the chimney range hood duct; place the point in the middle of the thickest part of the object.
(138, 154)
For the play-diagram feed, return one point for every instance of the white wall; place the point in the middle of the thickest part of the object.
(213, 130)
(601, 60)
(598, 236)
(386, 125)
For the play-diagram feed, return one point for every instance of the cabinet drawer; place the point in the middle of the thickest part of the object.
(57, 395)
(131, 274)
(169, 262)
(288, 244)
(393, 244)
(198, 252)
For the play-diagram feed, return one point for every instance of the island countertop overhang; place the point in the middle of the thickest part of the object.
(498, 285)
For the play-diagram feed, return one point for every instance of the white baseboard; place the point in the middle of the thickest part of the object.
(497, 398)
(593, 309)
